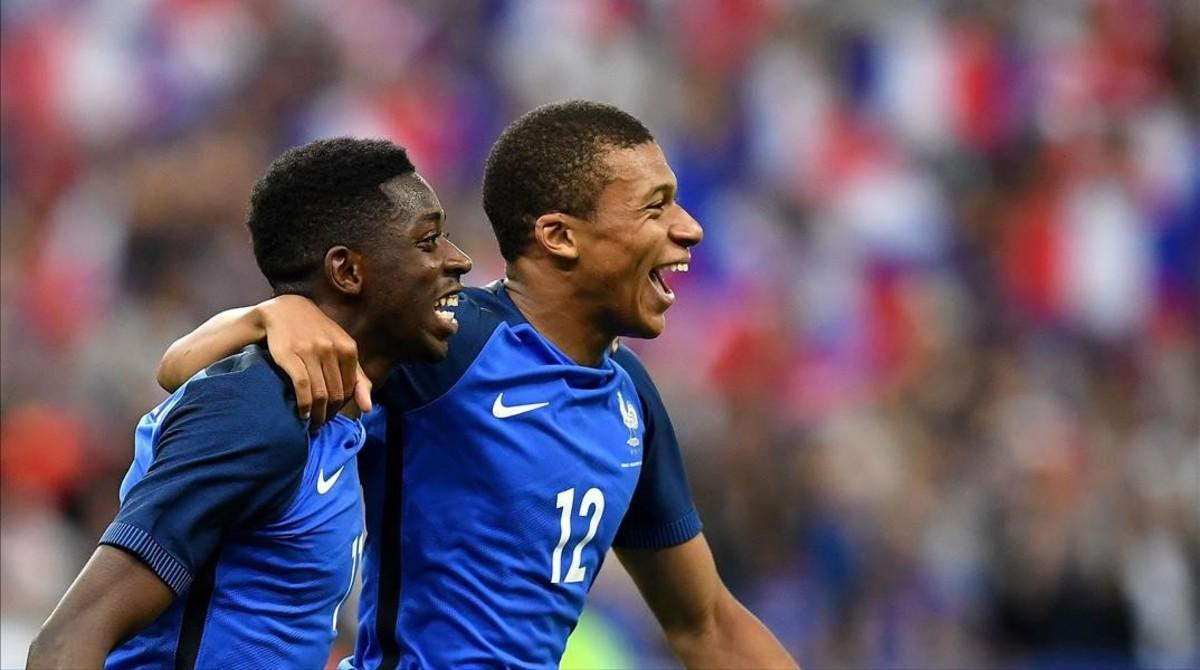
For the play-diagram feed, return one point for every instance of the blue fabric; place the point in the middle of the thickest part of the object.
(517, 471)
(143, 545)
(227, 484)
(661, 513)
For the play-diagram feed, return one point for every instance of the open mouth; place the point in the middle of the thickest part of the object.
(441, 309)
(656, 278)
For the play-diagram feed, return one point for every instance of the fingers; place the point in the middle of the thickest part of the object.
(347, 363)
(293, 367)
(320, 395)
(322, 360)
(362, 389)
(333, 382)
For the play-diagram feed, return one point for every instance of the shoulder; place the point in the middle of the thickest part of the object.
(628, 360)
(248, 380)
(245, 401)
(659, 429)
(633, 366)
(252, 370)
(480, 312)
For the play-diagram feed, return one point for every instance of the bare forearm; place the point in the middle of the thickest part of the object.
(114, 596)
(706, 626)
(732, 638)
(55, 648)
(222, 335)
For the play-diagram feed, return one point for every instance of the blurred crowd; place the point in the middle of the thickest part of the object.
(936, 367)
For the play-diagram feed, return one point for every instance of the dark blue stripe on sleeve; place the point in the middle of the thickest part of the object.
(668, 535)
(139, 543)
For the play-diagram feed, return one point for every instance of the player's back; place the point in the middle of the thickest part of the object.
(254, 524)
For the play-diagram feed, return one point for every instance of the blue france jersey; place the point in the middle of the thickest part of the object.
(254, 525)
(508, 473)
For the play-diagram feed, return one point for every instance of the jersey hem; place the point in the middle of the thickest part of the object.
(668, 535)
(141, 544)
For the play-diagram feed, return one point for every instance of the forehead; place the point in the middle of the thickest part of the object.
(638, 171)
(413, 197)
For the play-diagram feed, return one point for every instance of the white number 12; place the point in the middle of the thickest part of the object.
(592, 503)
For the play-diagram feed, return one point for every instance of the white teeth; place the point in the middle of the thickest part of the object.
(677, 267)
(440, 308)
(448, 301)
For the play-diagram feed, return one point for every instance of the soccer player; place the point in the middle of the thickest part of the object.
(239, 532)
(512, 466)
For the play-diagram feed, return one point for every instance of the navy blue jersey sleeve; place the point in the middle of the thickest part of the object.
(661, 513)
(230, 454)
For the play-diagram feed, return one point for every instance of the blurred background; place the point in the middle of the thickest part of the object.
(936, 367)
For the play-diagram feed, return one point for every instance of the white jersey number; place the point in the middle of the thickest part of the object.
(356, 552)
(592, 504)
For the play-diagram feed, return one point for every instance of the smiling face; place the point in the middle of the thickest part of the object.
(415, 271)
(637, 237)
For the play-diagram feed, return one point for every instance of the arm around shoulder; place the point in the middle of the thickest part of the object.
(222, 335)
(705, 625)
(320, 358)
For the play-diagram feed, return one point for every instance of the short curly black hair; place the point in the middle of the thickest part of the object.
(317, 196)
(551, 160)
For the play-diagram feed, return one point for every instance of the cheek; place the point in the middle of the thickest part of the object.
(400, 292)
(416, 280)
(623, 259)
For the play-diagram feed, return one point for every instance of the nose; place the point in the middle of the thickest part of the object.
(685, 230)
(457, 263)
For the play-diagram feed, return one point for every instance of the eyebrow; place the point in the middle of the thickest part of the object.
(666, 189)
(436, 216)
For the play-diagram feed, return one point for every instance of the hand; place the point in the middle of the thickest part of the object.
(318, 356)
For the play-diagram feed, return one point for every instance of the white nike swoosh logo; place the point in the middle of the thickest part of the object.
(323, 485)
(502, 411)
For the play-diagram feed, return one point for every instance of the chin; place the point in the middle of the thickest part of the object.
(647, 329)
(434, 351)
(424, 348)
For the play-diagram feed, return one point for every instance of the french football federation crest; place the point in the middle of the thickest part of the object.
(630, 417)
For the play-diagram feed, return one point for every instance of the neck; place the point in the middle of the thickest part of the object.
(548, 301)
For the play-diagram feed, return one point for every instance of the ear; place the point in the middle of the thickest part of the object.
(555, 233)
(344, 270)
